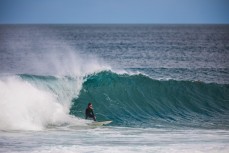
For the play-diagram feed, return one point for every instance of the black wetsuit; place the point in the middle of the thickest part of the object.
(89, 113)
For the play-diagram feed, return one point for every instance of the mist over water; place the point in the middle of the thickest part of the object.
(33, 102)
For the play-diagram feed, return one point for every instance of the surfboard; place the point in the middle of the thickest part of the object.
(100, 123)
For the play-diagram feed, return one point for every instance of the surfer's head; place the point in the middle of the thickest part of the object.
(89, 105)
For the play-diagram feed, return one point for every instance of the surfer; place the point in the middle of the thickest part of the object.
(89, 112)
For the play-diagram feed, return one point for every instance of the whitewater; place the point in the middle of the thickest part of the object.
(165, 87)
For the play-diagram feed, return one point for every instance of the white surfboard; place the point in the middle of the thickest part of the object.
(100, 123)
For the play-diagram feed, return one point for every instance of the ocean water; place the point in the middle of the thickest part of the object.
(165, 87)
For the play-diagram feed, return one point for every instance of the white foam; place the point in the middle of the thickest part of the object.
(186, 148)
(25, 107)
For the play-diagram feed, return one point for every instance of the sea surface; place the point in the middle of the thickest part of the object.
(165, 88)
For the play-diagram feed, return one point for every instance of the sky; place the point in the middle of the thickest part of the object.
(114, 11)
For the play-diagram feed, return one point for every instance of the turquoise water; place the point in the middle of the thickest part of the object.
(165, 87)
(141, 101)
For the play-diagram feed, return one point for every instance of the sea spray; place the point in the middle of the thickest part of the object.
(33, 102)
(25, 107)
(63, 61)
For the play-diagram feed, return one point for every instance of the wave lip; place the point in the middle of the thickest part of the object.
(137, 100)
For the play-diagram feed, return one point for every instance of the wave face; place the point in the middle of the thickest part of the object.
(139, 101)
(33, 102)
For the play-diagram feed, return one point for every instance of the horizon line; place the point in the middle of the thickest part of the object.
(114, 23)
